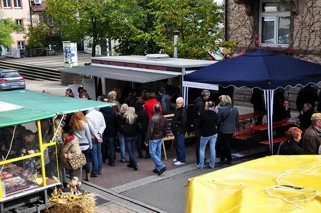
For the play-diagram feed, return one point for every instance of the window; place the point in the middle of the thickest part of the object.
(275, 22)
(21, 45)
(17, 3)
(7, 3)
(19, 22)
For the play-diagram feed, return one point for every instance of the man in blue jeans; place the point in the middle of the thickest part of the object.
(155, 133)
(97, 126)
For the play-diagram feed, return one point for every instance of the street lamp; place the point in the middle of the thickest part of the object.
(176, 33)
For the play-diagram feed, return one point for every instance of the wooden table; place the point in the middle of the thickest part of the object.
(276, 124)
(248, 118)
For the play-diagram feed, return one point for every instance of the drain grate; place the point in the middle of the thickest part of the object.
(100, 200)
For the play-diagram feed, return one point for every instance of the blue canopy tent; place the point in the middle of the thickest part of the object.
(259, 69)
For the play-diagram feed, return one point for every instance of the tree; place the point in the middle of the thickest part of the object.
(42, 35)
(199, 23)
(7, 26)
(96, 19)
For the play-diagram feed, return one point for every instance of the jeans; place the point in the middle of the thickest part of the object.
(121, 141)
(111, 150)
(180, 147)
(87, 154)
(203, 143)
(97, 159)
(140, 140)
(130, 144)
(155, 151)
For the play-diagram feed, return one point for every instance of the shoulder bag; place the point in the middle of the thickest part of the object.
(77, 161)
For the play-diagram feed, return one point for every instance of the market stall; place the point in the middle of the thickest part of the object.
(29, 161)
(271, 184)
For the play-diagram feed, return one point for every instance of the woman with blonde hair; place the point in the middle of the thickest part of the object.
(112, 98)
(120, 135)
(130, 130)
(81, 130)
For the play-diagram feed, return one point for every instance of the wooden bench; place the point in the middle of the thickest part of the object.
(275, 140)
(244, 134)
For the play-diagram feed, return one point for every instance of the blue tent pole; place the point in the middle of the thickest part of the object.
(269, 98)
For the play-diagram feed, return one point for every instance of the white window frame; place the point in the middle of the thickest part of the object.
(21, 45)
(276, 16)
(7, 4)
(17, 4)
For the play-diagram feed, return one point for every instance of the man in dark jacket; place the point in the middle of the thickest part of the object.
(108, 146)
(198, 109)
(179, 129)
(312, 136)
(155, 134)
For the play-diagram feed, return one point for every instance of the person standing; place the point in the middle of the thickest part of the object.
(81, 130)
(143, 126)
(154, 138)
(208, 131)
(198, 109)
(70, 148)
(97, 126)
(108, 145)
(312, 136)
(130, 129)
(179, 129)
(228, 118)
(150, 102)
(120, 135)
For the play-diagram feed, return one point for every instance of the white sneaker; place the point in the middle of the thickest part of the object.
(179, 163)
(175, 160)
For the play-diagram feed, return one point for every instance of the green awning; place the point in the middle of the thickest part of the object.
(21, 106)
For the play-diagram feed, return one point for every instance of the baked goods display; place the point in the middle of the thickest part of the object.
(15, 180)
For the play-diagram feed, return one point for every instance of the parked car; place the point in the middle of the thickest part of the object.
(11, 79)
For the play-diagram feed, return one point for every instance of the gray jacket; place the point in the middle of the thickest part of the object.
(228, 119)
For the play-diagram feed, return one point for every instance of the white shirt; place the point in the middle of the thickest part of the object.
(96, 123)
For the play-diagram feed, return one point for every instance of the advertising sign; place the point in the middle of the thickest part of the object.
(70, 54)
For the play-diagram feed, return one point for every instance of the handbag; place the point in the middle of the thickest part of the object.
(77, 161)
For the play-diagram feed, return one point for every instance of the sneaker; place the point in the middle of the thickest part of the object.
(155, 171)
(175, 160)
(199, 167)
(179, 163)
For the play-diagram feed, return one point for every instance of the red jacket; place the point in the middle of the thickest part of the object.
(149, 107)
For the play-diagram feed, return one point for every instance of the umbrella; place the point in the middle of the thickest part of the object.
(259, 69)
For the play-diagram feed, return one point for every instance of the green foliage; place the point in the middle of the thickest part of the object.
(7, 26)
(42, 35)
(142, 26)
(98, 20)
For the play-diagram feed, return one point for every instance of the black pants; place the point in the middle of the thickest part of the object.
(197, 145)
(226, 147)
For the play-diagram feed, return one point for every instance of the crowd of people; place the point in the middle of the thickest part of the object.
(138, 123)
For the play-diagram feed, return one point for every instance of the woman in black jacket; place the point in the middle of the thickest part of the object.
(130, 130)
(143, 126)
(291, 146)
(179, 128)
(208, 131)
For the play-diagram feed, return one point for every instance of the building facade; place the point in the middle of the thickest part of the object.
(24, 13)
(286, 26)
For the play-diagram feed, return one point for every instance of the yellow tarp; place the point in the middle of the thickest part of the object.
(270, 184)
